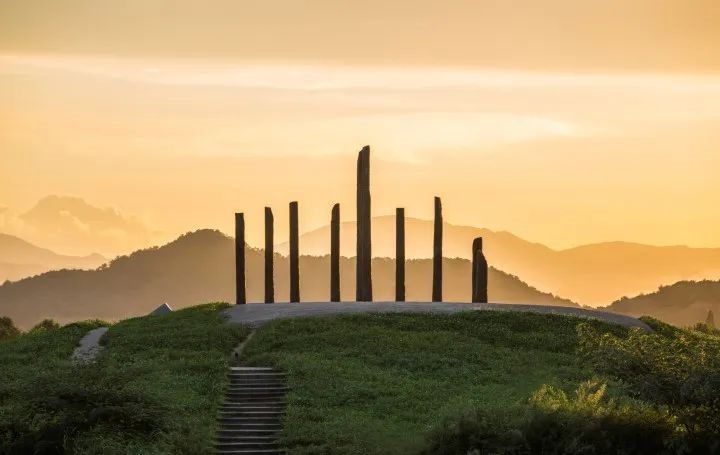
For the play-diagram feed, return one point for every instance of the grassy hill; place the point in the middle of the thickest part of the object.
(493, 382)
(684, 303)
(590, 275)
(199, 267)
(155, 390)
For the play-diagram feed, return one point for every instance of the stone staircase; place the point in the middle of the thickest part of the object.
(250, 419)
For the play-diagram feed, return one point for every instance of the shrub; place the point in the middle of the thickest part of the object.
(8, 329)
(44, 326)
(587, 423)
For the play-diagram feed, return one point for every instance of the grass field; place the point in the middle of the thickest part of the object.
(155, 390)
(379, 383)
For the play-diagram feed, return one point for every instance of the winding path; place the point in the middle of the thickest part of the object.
(89, 346)
(256, 315)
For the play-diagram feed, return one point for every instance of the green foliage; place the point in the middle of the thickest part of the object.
(45, 325)
(8, 329)
(376, 383)
(678, 368)
(554, 423)
(155, 389)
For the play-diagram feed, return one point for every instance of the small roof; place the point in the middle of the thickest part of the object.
(162, 309)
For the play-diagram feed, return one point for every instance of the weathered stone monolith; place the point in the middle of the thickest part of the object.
(269, 253)
(476, 245)
(335, 254)
(480, 273)
(363, 292)
(294, 254)
(240, 297)
(437, 253)
(400, 255)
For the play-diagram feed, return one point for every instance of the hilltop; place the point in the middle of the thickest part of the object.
(199, 266)
(590, 274)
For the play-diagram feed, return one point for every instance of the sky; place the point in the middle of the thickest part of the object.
(563, 122)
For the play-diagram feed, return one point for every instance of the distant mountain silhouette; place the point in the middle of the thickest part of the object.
(199, 267)
(591, 274)
(684, 303)
(20, 259)
(73, 226)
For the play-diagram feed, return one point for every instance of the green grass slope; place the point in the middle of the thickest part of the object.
(378, 383)
(156, 388)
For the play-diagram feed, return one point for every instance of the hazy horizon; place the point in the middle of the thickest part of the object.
(565, 125)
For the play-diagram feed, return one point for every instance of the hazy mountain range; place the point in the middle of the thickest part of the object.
(591, 274)
(199, 267)
(20, 259)
(684, 303)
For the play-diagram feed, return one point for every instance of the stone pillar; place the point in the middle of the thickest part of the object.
(294, 254)
(480, 273)
(335, 254)
(269, 253)
(437, 253)
(240, 296)
(399, 255)
(363, 292)
(476, 245)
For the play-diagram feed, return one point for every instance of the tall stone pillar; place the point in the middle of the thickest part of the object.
(399, 255)
(335, 254)
(294, 254)
(437, 253)
(240, 296)
(480, 273)
(269, 253)
(363, 292)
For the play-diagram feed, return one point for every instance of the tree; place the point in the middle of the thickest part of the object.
(8, 329)
(710, 320)
(45, 325)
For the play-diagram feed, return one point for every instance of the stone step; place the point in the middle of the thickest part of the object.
(250, 413)
(275, 426)
(247, 432)
(246, 445)
(259, 369)
(254, 395)
(253, 388)
(250, 451)
(266, 376)
(230, 407)
(246, 419)
(258, 382)
(246, 438)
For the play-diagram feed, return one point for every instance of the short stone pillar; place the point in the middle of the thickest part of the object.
(399, 255)
(479, 273)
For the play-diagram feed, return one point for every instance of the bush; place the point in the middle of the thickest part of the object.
(677, 368)
(588, 423)
(8, 329)
(44, 326)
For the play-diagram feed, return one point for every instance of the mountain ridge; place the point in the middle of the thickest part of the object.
(199, 267)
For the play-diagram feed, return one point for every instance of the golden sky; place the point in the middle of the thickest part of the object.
(563, 122)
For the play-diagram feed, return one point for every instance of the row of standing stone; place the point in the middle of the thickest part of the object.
(363, 291)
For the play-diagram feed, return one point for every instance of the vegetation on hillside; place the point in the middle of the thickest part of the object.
(155, 389)
(377, 383)
(667, 401)
(684, 303)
